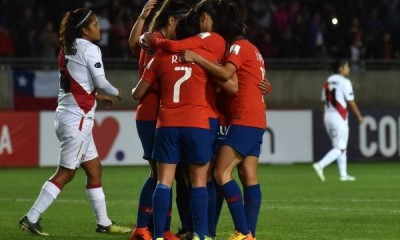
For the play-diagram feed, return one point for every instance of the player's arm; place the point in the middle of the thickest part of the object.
(265, 86)
(224, 72)
(102, 83)
(106, 100)
(354, 108)
(141, 89)
(231, 86)
(138, 26)
(174, 45)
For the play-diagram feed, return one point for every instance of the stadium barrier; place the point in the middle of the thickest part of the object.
(297, 136)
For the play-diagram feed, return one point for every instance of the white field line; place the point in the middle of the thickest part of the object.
(265, 204)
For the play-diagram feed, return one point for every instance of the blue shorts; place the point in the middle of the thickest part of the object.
(245, 140)
(214, 129)
(146, 131)
(175, 143)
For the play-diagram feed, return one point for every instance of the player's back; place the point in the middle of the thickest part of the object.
(183, 91)
(247, 107)
(337, 90)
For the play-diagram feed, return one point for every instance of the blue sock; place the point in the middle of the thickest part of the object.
(233, 197)
(145, 206)
(169, 215)
(212, 208)
(199, 205)
(182, 203)
(219, 202)
(252, 204)
(161, 202)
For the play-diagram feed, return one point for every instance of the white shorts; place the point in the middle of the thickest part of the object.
(76, 138)
(337, 129)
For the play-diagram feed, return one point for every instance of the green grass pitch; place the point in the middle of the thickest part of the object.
(296, 205)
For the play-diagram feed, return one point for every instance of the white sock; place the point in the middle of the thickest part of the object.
(46, 197)
(98, 201)
(331, 156)
(342, 164)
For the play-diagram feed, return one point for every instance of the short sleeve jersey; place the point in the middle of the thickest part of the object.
(80, 68)
(183, 85)
(336, 92)
(247, 107)
(209, 41)
(147, 108)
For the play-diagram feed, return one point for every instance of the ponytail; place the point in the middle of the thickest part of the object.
(71, 28)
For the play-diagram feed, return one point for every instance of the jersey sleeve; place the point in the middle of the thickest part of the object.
(235, 55)
(348, 91)
(150, 73)
(94, 61)
(198, 41)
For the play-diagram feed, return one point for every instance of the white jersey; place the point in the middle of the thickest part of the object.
(79, 70)
(336, 92)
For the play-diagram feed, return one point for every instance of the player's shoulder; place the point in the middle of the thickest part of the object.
(87, 47)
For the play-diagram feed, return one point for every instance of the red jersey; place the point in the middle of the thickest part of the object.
(247, 107)
(147, 108)
(209, 41)
(183, 90)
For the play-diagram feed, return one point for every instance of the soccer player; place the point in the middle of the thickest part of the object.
(247, 123)
(163, 25)
(81, 74)
(337, 93)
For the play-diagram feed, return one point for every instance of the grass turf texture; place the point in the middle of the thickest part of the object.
(296, 205)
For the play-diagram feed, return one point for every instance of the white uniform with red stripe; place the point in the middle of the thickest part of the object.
(336, 92)
(74, 116)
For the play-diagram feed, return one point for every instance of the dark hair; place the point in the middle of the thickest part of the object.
(227, 18)
(174, 8)
(337, 64)
(71, 27)
(187, 26)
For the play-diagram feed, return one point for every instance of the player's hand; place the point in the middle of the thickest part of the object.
(146, 40)
(265, 86)
(119, 97)
(106, 100)
(147, 9)
(187, 56)
(360, 119)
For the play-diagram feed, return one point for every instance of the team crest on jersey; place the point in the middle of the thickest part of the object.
(235, 49)
(97, 65)
(204, 35)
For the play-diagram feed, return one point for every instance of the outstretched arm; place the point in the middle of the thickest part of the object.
(138, 26)
(224, 72)
(175, 45)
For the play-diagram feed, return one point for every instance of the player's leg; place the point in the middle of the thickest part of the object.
(332, 126)
(341, 143)
(94, 189)
(247, 170)
(70, 137)
(183, 189)
(167, 154)
(197, 152)
(162, 197)
(144, 219)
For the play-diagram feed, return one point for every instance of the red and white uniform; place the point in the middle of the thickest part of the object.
(74, 118)
(336, 92)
